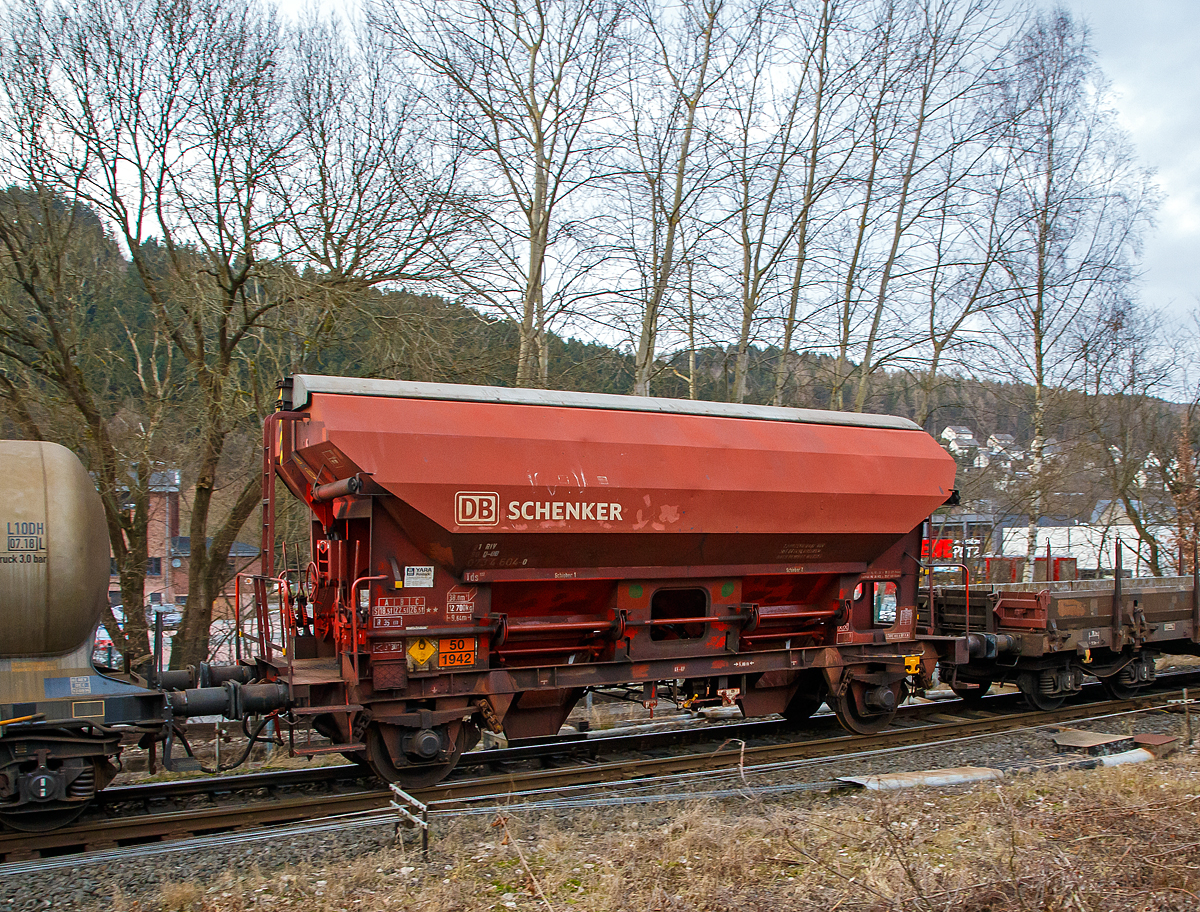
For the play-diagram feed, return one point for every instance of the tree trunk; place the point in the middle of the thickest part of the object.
(1036, 472)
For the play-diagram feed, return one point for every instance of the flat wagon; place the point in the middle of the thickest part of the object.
(1046, 637)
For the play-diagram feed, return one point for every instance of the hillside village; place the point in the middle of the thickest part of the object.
(1084, 520)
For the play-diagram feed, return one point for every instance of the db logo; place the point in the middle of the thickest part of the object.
(476, 508)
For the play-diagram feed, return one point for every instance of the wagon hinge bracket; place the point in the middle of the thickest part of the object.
(1058, 636)
(1142, 627)
(490, 719)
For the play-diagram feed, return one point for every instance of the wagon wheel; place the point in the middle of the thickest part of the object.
(410, 773)
(853, 719)
(1027, 683)
(802, 705)
(971, 691)
(1118, 689)
(325, 726)
(41, 818)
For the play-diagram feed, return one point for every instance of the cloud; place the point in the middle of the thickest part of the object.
(1151, 53)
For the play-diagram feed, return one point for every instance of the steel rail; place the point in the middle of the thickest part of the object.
(463, 794)
(640, 737)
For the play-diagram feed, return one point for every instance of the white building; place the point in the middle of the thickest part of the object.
(1000, 450)
(1093, 545)
(959, 440)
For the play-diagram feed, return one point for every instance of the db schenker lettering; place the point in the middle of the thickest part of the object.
(559, 510)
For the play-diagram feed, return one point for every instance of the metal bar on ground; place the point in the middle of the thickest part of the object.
(403, 813)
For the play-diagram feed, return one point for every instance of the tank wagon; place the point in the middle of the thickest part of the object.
(62, 722)
(483, 556)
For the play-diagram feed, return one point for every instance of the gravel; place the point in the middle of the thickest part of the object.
(89, 883)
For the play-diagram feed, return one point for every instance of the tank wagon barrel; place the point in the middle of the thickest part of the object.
(61, 720)
(483, 556)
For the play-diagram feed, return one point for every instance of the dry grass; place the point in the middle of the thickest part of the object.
(1116, 839)
(182, 897)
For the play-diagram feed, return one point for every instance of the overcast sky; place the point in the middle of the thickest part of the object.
(1150, 50)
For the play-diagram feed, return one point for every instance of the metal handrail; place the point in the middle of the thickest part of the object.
(966, 573)
(354, 613)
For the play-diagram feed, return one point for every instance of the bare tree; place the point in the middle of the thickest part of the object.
(65, 378)
(765, 149)
(365, 196)
(1184, 484)
(963, 236)
(925, 64)
(672, 171)
(525, 86)
(1132, 433)
(1076, 205)
(1182, 475)
(182, 126)
(826, 81)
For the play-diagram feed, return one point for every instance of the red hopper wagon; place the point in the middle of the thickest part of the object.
(483, 556)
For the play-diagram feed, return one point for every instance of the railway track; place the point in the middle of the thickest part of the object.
(922, 725)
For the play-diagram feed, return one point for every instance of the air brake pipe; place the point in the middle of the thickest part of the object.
(567, 627)
(779, 635)
(231, 700)
(822, 615)
(547, 650)
(204, 675)
(433, 632)
(617, 625)
(794, 640)
(180, 679)
(218, 674)
(710, 619)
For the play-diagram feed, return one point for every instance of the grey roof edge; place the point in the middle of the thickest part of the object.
(304, 385)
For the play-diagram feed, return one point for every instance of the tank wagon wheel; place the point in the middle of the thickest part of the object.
(971, 691)
(411, 772)
(1027, 683)
(852, 718)
(43, 817)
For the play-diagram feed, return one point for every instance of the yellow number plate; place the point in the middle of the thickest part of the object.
(458, 652)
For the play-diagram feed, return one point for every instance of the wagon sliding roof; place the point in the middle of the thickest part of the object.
(304, 385)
